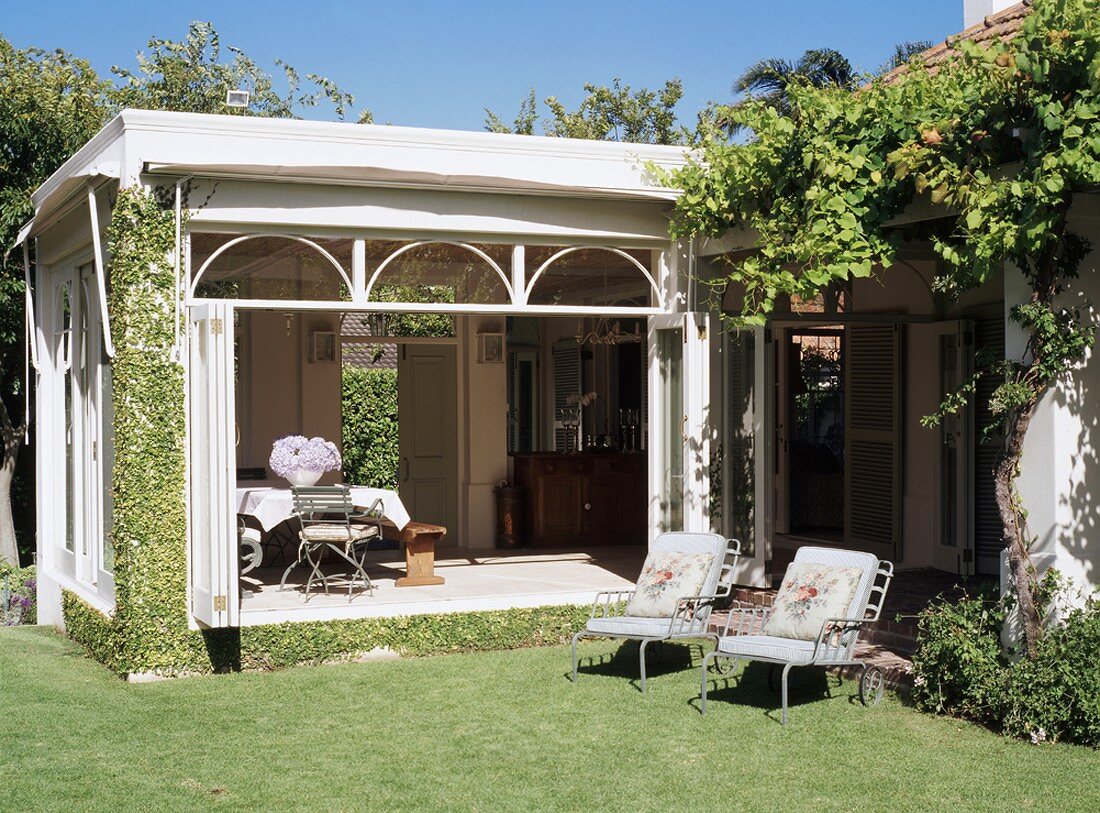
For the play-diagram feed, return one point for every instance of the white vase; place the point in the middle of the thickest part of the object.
(304, 477)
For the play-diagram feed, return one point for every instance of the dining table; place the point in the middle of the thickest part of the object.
(271, 503)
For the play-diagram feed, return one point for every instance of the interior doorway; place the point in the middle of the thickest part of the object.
(427, 477)
(813, 432)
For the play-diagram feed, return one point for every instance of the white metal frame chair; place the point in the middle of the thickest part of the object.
(690, 619)
(325, 514)
(836, 642)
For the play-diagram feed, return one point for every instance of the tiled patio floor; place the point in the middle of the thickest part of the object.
(475, 580)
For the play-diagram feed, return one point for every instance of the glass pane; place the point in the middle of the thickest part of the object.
(590, 276)
(265, 267)
(438, 272)
(670, 358)
(63, 344)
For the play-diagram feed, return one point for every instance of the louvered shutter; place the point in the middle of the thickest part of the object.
(872, 440)
(567, 381)
(739, 448)
(989, 334)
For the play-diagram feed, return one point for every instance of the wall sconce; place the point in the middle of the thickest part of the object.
(490, 348)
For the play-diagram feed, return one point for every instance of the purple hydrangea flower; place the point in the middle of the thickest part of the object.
(299, 452)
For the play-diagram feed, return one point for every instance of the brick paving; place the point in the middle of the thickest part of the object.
(891, 642)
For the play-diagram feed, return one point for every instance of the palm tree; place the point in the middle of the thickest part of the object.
(768, 80)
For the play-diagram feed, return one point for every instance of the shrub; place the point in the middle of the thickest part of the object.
(1056, 696)
(958, 667)
(370, 426)
(17, 596)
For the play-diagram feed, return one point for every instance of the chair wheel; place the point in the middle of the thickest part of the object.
(872, 685)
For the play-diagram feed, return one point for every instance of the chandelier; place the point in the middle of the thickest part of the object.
(606, 332)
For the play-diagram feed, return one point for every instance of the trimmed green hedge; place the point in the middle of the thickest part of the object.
(277, 646)
(370, 435)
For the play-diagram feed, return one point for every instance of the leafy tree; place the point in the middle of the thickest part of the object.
(1001, 139)
(50, 104)
(191, 75)
(614, 113)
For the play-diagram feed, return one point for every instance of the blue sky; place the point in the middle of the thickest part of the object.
(437, 64)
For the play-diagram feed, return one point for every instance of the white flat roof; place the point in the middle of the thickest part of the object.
(138, 142)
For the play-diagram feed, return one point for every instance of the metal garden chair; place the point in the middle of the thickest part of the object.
(326, 514)
(691, 617)
(836, 642)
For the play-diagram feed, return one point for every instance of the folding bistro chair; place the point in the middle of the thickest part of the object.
(325, 514)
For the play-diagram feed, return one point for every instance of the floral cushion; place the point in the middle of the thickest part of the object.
(666, 578)
(810, 595)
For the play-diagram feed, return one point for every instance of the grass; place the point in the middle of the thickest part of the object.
(491, 731)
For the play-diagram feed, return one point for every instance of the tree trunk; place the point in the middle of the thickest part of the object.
(11, 437)
(1021, 571)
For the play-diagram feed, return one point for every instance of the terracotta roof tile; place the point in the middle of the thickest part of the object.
(1000, 26)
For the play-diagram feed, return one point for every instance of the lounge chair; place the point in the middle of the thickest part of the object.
(749, 631)
(618, 613)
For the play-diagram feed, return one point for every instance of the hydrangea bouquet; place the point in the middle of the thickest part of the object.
(302, 460)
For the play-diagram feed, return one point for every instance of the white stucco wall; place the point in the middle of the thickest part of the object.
(485, 401)
(1060, 472)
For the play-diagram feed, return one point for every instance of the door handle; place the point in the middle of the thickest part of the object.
(683, 428)
(405, 466)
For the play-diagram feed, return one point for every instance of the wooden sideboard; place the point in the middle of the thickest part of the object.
(586, 498)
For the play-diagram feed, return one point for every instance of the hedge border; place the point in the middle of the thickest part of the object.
(278, 646)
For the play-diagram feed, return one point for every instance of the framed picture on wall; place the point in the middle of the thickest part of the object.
(323, 348)
(490, 348)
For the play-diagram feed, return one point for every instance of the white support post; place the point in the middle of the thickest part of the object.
(519, 276)
(359, 270)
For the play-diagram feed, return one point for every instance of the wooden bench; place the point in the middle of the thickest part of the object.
(418, 540)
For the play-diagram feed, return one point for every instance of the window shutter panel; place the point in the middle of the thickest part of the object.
(872, 440)
(989, 333)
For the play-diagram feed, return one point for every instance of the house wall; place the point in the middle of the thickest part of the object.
(280, 391)
(1060, 472)
(484, 402)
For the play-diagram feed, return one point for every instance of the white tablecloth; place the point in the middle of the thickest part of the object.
(272, 504)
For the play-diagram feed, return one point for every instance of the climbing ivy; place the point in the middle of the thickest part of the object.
(995, 143)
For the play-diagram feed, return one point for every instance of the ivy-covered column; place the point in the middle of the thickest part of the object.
(150, 521)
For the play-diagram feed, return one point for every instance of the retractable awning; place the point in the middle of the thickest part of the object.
(405, 178)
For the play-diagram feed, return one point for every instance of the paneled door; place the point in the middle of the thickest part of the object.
(428, 434)
(212, 529)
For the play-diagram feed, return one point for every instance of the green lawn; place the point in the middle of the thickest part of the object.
(490, 731)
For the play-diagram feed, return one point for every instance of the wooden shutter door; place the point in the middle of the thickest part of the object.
(872, 440)
(989, 333)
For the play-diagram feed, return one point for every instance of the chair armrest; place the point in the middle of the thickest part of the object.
(838, 637)
(687, 611)
(610, 603)
(749, 618)
(374, 511)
